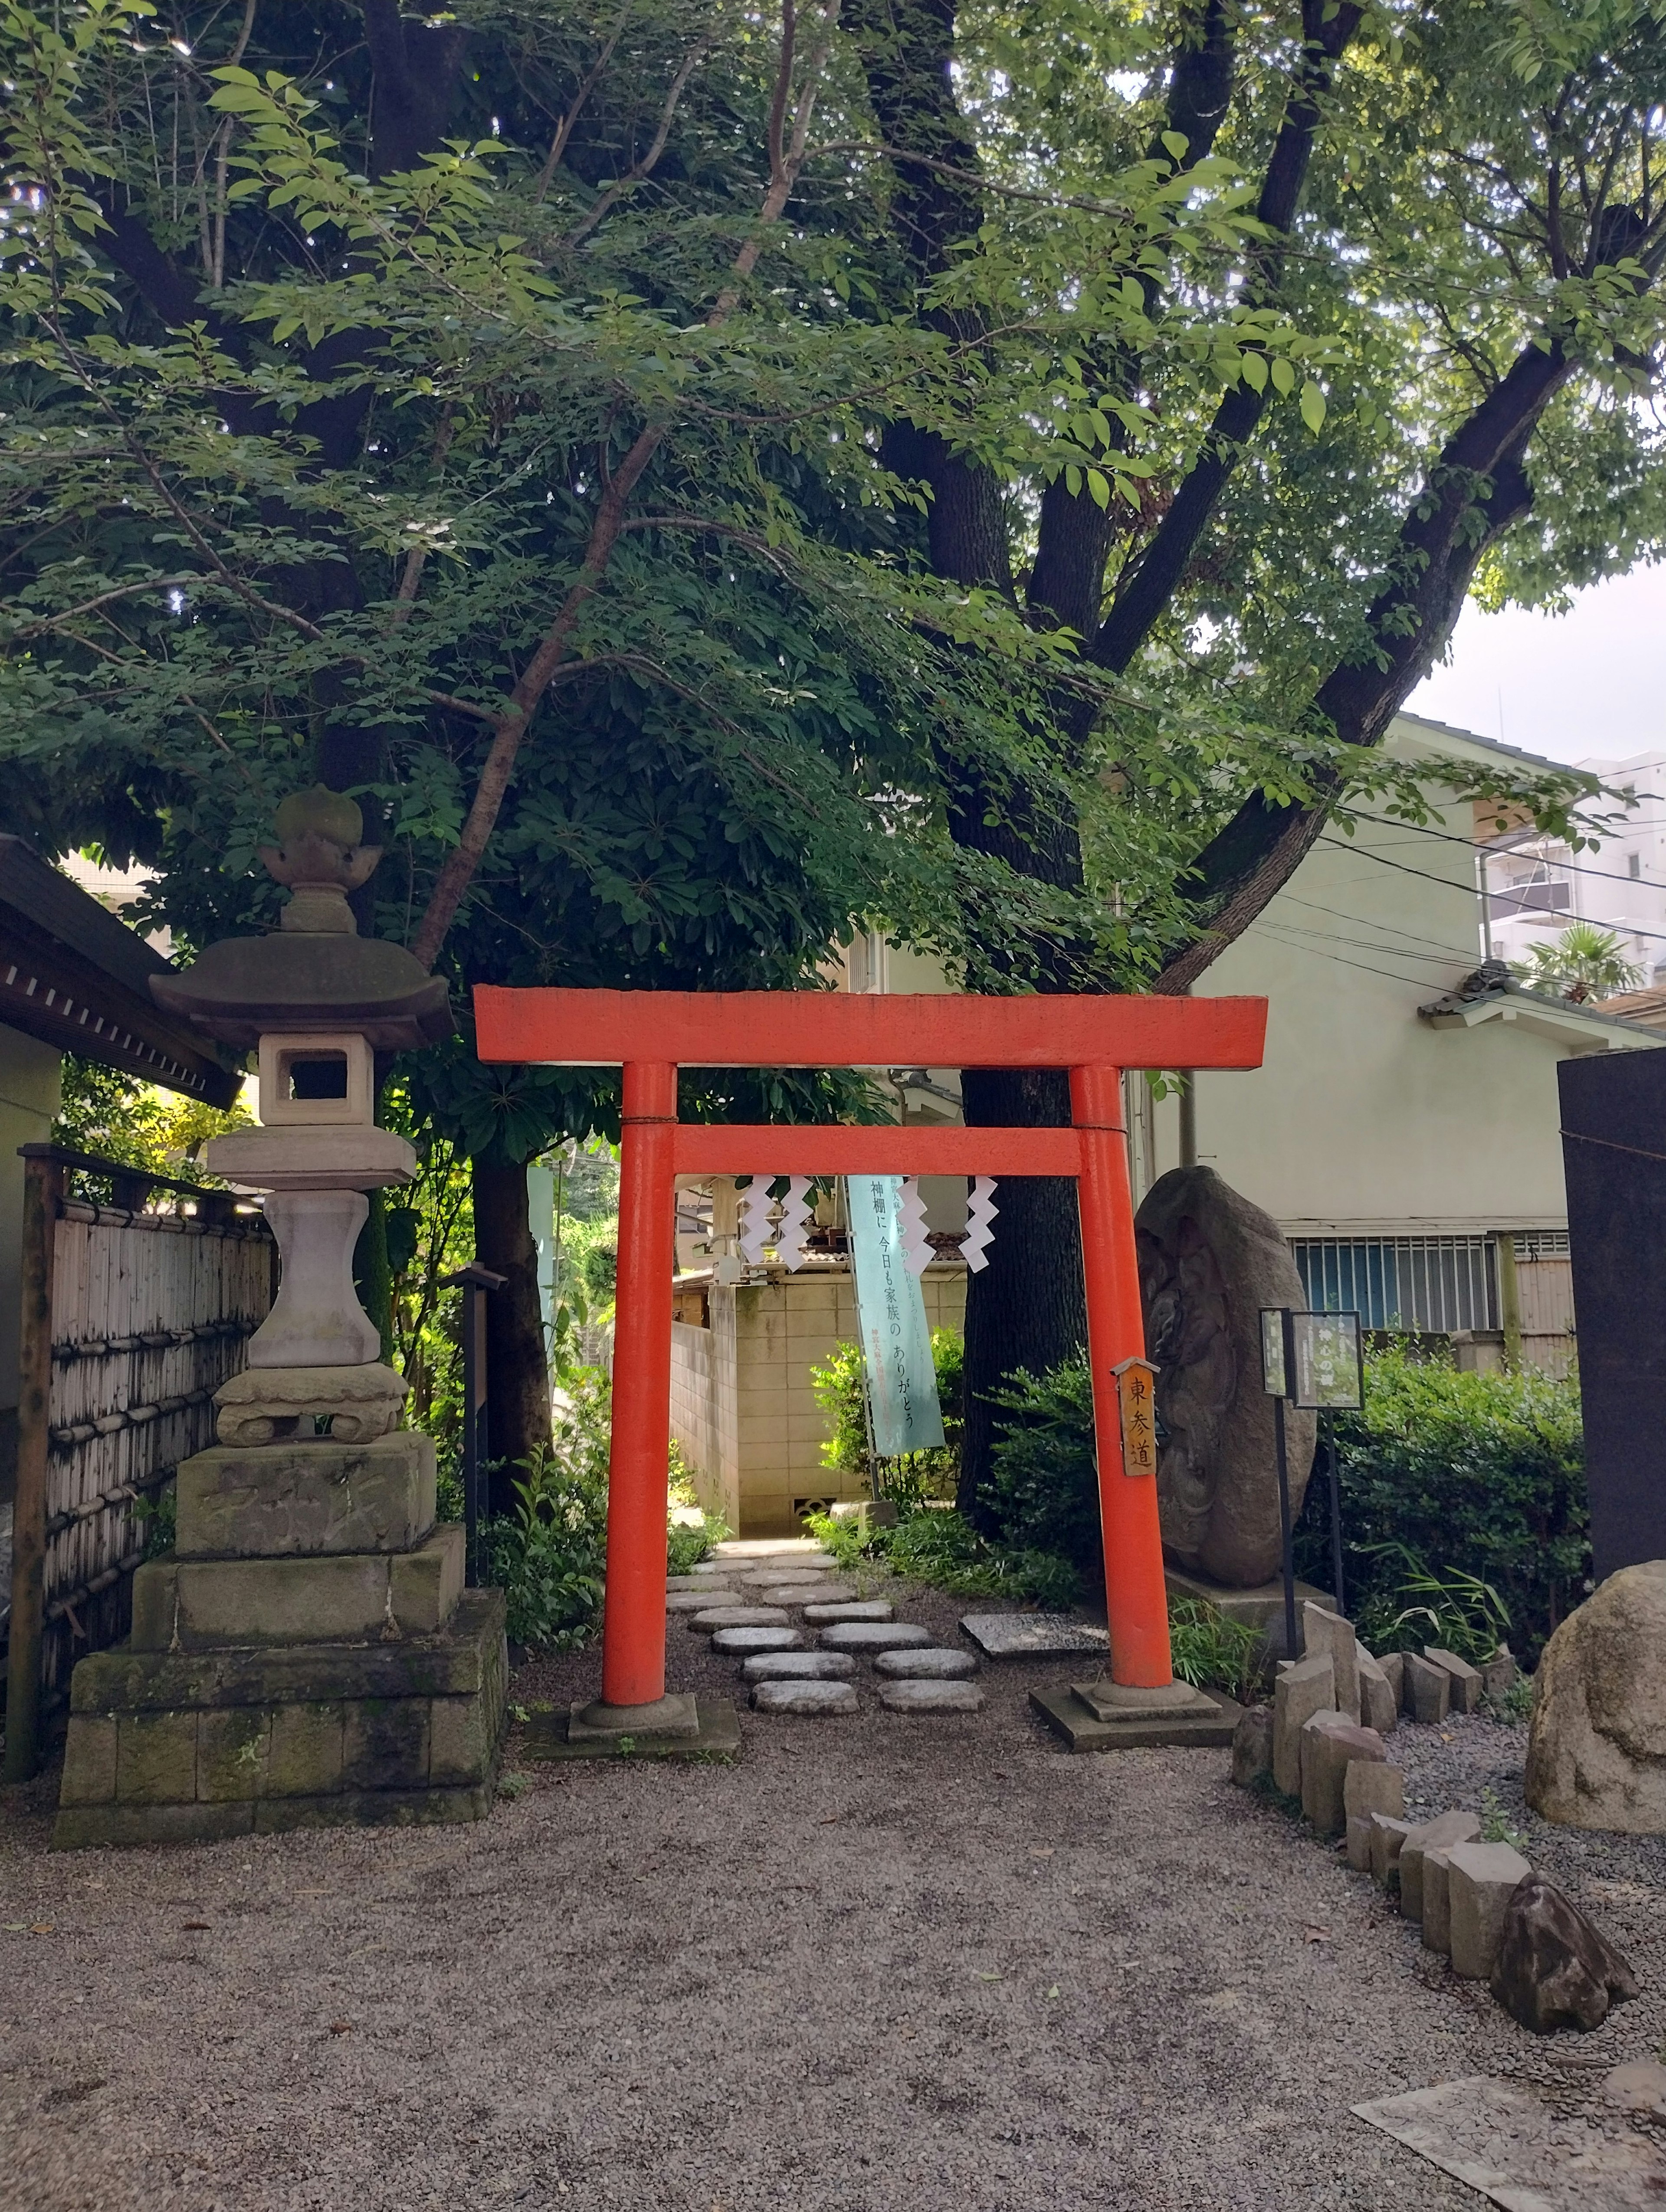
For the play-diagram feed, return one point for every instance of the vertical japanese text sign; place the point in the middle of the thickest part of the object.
(1136, 1392)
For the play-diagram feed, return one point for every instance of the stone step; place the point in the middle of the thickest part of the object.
(828, 1616)
(928, 1666)
(699, 1600)
(799, 1666)
(930, 1696)
(736, 1616)
(869, 1636)
(822, 1591)
(805, 1700)
(744, 1642)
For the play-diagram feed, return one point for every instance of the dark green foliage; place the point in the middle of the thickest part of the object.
(914, 1476)
(1483, 1474)
(550, 1554)
(936, 1545)
(1045, 1491)
(1213, 1652)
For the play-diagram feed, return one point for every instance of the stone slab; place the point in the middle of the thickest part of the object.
(688, 1601)
(1304, 1687)
(1379, 1698)
(1428, 1690)
(198, 1605)
(1108, 1700)
(1065, 1713)
(287, 1500)
(827, 1616)
(1373, 1786)
(1388, 1839)
(1437, 1898)
(1330, 1744)
(930, 1696)
(1032, 1635)
(822, 1591)
(1445, 1828)
(929, 1665)
(867, 1636)
(747, 1642)
(1252, 1747)
(708, 1622)
(543, 1736)
(799, 1666)
(1326, 1632)
(1468, 1685)
(1527, 2146)
(805, 1700)
(1480, 1879)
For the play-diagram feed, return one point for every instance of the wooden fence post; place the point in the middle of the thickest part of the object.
(43, 1196)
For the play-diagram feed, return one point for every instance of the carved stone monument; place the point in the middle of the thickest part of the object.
(309, 1654)
(1209, 1261)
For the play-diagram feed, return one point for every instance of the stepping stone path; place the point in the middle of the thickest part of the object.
(869, 1636)
(747, 1642)
(821, 1592)
(799, 1666)
(699, 1600)
(932, 1666)
(736, 1616)
(930, 1696)
(828, 1616)
(807, 1700)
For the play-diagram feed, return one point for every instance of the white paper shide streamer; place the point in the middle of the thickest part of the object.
(981, 1211)
(794, 1227)
(755, 1230)
(917, 1254)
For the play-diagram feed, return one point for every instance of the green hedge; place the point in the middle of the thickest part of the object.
(1473, 1474)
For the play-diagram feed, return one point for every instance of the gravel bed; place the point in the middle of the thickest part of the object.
(886, 1965)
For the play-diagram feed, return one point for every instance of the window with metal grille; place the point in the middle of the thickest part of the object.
(1435, 1283)
(1540, 1244)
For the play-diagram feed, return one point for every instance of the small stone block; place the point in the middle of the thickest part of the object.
(1068, 1715)
(1480, 1879)
(804, 1700)
(1387, 1838)
(385, 1743)
(1033, 1635)
(1330, 1743)
(869, 1636)
(427, 1584)
(747, 1642)
(694, 1600)
(1327, 1635)
(1500, 1673)
(736, 1616)
(155, 1600)
(1304, 1686)
(928, 1666)
(340, 1598)
(89, 1760)
(232, 1751)
(1437, 1898)
(698, 1578)
(303, 1759)
(1428, 1690)
(1379, 1701)
(1252, 1747)
(1359, 1842)
(460, 1745)
(156, 1758)
(1393, 1664)
(1468, 1686)
(1446, 1828)
(930, 1696)
(799, 1666)
(822, 1591)
(285, 1499)
(1373, 1786)
(826, 1616)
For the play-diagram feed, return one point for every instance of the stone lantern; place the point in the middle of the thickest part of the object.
(309, 1652)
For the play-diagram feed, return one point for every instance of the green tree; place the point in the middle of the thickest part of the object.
(1580, 961)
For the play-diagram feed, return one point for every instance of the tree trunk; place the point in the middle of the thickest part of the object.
(517, 1372)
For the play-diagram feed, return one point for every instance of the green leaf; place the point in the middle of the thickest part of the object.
(1312, 405)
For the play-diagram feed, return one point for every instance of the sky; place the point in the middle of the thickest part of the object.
(1591, 684)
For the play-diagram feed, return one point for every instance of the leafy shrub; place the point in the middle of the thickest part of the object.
(939, 1546)
(1481, 1475)
(1213, 1652)
(1457, 1611)
(691, 1531)
(1044, 1491)
(914, 1476)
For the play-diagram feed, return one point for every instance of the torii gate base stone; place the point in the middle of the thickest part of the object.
(650, 1035)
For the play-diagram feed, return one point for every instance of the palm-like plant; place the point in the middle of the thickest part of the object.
(1583, 962)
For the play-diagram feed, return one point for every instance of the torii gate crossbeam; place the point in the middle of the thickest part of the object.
(650, 1034)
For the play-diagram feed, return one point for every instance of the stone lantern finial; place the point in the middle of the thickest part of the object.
(321, 859)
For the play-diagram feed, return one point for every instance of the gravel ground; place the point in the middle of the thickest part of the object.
(938, 1966)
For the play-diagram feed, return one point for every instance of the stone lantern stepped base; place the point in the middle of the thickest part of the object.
(169, 1746)
(323, 1664)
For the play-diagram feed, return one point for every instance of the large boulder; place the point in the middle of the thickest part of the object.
(1596, 1750)
(1208, 1262)
(1553, 1968)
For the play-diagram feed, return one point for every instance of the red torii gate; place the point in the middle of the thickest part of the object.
(650, 1034)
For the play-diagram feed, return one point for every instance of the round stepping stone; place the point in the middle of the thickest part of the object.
(736, 1616)
(865, 1608)
(698, 1579)
(930, 1696)
(807, 1700)
(799, 1666)
(868, 1636)
(819, 1592)
(699, 1600)
(746, 1643)
(925, 1665)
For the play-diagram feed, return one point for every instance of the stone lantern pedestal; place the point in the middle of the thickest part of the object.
(309, 1654)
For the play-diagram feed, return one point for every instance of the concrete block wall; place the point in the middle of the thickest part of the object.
(743, 1405)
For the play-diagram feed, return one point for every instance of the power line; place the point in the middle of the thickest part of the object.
(1411, 936)
(1364, 967)
(1452, 838)
(1367, 853)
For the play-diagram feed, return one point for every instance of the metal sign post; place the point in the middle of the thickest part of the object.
(474, 1281)
(1314, 1360)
